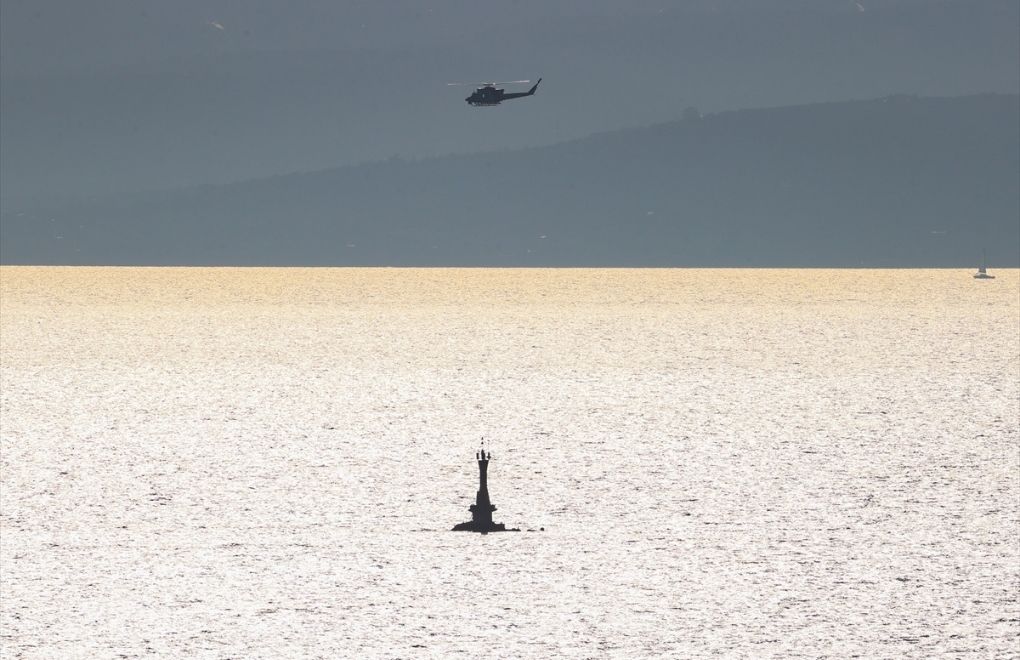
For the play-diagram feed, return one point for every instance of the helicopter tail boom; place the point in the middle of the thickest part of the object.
(517, 95)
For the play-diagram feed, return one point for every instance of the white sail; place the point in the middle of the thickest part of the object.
(982, 274)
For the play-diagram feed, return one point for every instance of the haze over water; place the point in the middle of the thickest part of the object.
(265, 462)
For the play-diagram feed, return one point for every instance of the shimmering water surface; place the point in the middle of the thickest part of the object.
(265, 463)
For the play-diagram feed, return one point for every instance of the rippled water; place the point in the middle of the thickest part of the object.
(265, 463)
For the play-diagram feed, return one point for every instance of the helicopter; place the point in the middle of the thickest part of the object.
(489, 95)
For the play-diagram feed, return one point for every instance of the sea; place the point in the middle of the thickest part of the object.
(267, 463)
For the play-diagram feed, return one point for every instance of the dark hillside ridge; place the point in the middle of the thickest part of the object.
(894, 182)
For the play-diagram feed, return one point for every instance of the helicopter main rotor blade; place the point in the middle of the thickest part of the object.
(482, 84)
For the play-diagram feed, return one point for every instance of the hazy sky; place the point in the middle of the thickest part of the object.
(61, 35)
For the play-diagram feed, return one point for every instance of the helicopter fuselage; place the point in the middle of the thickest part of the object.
(490, 95)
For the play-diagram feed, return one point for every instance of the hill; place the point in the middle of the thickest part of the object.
(899, 181)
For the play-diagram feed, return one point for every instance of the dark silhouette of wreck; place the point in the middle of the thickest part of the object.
(481, 510)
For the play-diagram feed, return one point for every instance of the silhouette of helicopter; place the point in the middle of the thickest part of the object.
(488, 94)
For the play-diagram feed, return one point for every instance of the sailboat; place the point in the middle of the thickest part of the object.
(982, 274)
